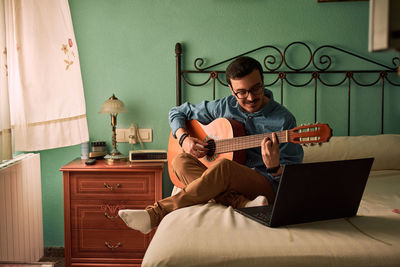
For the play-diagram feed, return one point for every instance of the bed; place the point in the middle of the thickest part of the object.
(215, 235)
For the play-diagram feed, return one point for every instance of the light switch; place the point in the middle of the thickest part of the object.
(146, 135)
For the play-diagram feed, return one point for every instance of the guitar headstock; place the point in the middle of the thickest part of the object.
(310, 134)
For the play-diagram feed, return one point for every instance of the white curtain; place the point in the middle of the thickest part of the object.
(41, 95)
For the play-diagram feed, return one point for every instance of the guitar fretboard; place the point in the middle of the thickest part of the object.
(245, 142)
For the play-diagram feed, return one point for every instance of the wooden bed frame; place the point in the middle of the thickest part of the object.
(316, 72)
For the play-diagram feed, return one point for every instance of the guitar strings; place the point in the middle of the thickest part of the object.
(250, 141)
(243, 142)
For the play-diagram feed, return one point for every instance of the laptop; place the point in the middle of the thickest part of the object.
(311, 192)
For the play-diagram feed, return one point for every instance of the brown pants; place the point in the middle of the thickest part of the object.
(226, 181)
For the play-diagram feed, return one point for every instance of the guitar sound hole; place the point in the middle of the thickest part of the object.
(211, 147)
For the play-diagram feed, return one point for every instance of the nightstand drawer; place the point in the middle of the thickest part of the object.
(109, 243)
(101, 214)
(112, 185)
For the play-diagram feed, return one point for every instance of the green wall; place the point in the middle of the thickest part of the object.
(126, 47)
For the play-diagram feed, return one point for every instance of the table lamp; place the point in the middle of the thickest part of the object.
(113, 106)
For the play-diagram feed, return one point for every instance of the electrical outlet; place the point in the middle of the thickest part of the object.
(132, 134)
(129, 135)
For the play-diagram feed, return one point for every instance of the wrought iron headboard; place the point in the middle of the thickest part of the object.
(279, 66)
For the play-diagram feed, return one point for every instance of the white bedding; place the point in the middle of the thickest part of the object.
(214, 235)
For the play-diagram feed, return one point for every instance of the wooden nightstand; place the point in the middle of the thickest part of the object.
(94, 233)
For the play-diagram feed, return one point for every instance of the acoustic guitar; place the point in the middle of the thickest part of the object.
(226, 139)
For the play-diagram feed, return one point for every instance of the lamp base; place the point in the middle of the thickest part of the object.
(115, 156)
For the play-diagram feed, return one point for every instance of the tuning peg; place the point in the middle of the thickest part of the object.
(305, 145)
(320, 144)
(312, 144)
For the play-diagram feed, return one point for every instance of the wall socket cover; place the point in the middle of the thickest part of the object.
(127, 136)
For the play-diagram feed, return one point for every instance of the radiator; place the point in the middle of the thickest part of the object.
(21, 222)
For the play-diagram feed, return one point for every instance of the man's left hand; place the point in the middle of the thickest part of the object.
(270, 151)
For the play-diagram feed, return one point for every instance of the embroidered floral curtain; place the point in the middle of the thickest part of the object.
(40, 78)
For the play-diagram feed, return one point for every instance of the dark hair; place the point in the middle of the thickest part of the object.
(241, 67)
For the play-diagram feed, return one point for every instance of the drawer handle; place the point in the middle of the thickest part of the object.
(110, 217)
(110, 187)
(109, 210)
(111, 246)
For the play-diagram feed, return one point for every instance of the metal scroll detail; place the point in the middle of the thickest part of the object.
(280, 65)
(319, 65)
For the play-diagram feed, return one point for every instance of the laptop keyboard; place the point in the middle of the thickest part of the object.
(264, 216)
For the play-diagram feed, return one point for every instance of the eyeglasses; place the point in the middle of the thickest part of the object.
(241, 93)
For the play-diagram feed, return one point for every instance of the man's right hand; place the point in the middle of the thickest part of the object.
(194, 147)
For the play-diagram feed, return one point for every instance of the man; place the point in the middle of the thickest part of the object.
(227, 182)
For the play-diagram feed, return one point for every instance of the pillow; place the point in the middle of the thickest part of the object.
(384, 148)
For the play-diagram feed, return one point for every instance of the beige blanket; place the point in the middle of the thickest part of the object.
(214, 235)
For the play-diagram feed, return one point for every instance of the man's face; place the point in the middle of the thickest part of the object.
(248, 91)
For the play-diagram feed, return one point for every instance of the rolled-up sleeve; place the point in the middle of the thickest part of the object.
(201, 112)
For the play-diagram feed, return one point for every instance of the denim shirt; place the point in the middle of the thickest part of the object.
(273, 117)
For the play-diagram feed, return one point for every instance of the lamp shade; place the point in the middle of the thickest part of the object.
(113, 106)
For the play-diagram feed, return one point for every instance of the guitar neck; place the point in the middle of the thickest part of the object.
(248, 141)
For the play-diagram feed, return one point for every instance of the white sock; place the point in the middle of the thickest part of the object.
(258, 201)
(136, 219)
